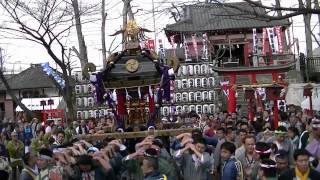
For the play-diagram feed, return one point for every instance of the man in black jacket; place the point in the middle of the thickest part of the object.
(302, 169)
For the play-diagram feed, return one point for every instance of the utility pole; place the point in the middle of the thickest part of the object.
(1, 60)
(154, 26)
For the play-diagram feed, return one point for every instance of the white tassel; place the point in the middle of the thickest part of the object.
(114, 96)
(150, 91)
(128, 97)
(139, 92)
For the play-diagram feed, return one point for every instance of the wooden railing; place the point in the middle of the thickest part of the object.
(257, 61)
(313, 64)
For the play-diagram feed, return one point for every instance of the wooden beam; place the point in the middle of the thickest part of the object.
(138, 134)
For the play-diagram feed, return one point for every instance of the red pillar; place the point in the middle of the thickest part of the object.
(274, 77)
(232, 95)
(276, 114)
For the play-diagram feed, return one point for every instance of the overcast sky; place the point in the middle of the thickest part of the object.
(19, 53)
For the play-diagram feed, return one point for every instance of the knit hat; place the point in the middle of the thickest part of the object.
(92, 149)
(263, 149)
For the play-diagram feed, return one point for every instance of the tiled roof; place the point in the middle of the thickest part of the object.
(214, 17)
(31, 78)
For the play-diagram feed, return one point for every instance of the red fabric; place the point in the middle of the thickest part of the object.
(250, 110)
(121, 107)
(276, 114)
(232, 95)
(151, 104)
(209, 132)
(232, 101)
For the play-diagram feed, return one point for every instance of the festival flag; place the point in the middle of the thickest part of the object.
(264, 36)
(186, 49)
(279, 38)
(194, 44)
(271, 37)
(204, 47)
(225, 88)
(254, 41)
(150, 44)
(172, 44)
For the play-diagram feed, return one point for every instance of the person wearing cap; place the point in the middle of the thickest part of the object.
(314, 146)
(30, 170)
(302, 170)
(268, 170)
(35, 127)
(16, 150)
(45, 164)
(283, 143)
(92, 150)
(282, 161)
(167, 165)
(150, 166)
(262, 151)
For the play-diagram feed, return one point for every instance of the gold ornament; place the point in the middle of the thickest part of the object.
(132, 65)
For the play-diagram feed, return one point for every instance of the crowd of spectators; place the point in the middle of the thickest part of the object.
(223, 145)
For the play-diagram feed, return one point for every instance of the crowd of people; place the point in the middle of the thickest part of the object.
(223, 145)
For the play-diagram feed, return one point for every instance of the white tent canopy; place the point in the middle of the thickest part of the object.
(305, 104)
(295, 95)
(34, 103)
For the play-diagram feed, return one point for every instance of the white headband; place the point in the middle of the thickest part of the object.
(267, 166)
(316, 125)
(264, 152)
(44, 157)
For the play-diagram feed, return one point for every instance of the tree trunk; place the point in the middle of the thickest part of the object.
(130, 13)
(69, 99)
(307, 27)
(83, 56)
(103, 33)
(283, 37)
(278, 5)
(316, 6)
(29, 113)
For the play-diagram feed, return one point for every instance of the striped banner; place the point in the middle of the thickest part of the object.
(254, 41)
(194, 44)
(279, 37)
(264, 36)
(186, 50)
